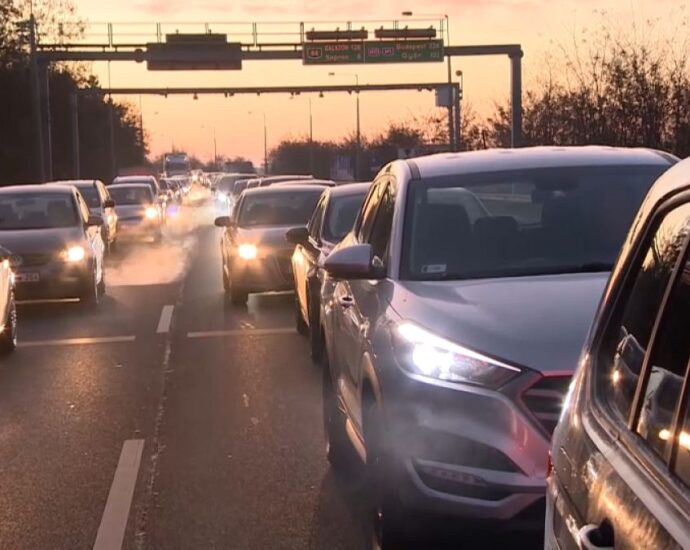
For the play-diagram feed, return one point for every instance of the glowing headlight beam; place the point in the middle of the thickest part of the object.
(247, 251)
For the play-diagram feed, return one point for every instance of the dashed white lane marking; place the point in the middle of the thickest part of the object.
(241, 332)
(165, 320)
(76, 341)
(245, 398)
(111, 532)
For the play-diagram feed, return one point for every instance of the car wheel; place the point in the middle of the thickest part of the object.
(387, 514)
(300, 323)
(339, 451)
(113, 245)
(226, 283)
(101, 287)
(238, 297)
(315, 336)
(8, 338)
(89, 296)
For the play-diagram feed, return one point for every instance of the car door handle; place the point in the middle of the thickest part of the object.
(346, 301)
(596, 537)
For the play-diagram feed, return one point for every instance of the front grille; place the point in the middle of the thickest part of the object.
(459, 484)
(31, 259)
(544, 399)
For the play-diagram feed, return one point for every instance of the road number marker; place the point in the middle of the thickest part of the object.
(165, 320)
(111, 532)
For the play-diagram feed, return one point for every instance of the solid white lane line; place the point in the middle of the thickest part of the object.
(76, 341)
(241, 332)
(165, 320)
(111, 532)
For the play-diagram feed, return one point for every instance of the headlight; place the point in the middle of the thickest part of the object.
(425, 354)
(151, 213)
(222, 197)
(247, 251)
(73, 254)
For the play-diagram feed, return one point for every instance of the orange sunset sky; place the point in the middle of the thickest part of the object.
(189, 125)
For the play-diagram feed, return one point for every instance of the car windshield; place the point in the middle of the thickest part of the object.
(91, 196)
(340, 216)
(294, 208)
(37, 211)
(239, 187)
(517, 223)
(125, 195)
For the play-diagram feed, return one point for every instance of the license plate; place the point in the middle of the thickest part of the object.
(27, 277)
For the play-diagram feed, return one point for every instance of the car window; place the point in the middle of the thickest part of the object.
(317, 219)
(83, 207)
(340, 216)
(523, 222)
(37, 211)
(625, 346)
(380, 235)
(661, 389)
(368, 211)
(90, 195)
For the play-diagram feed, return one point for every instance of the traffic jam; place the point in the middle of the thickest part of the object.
(480, 324)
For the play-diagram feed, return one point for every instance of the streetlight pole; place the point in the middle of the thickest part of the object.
(265, 141)
(311, 140)
(215, 149)
(452, 138)
(359, 133)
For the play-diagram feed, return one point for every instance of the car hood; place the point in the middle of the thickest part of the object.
(267, 237)
(537, 322)
(40, 240)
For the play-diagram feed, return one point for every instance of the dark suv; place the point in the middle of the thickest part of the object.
(620, 457)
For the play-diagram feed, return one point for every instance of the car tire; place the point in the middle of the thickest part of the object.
(113, 246)
(315, 336)
(8, 338)
(238, 297)
(101, 287)
(300, 323)
(90, 296)
(226, 282)
(389, 520)
(339, 451)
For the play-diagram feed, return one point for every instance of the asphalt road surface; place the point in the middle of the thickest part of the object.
(164, 419)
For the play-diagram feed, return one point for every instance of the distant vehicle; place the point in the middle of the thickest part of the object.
(326, 183)
(177, 164)
(8, 307)
(240, 185)
(256, 255)
(224, 190)
(140, 214)
(242, 167)
(55, 241)
(620, 456)
(172, 189)
(151, 181)
(450, 342)
(100, 203)
(333, 218)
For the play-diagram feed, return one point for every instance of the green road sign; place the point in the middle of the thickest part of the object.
(333, 53)
(407, 51)
(372, 51)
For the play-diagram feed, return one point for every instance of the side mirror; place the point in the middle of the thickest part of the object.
(297, 235)
(224, 221)
(353, 262)
(109, 203)
(94, 221)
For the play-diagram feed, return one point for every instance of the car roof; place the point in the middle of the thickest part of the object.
(139, 185)
(76, 183)
(490, 160)
(286, 190)
(348, 189)
(38, 188)
(303, 181)
(135, 178)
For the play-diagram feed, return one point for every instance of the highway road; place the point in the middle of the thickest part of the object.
(164, 419)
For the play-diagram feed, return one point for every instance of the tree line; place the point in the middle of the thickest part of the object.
(57, 21)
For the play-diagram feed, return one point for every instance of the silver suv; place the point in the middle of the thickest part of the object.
(463, 298)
